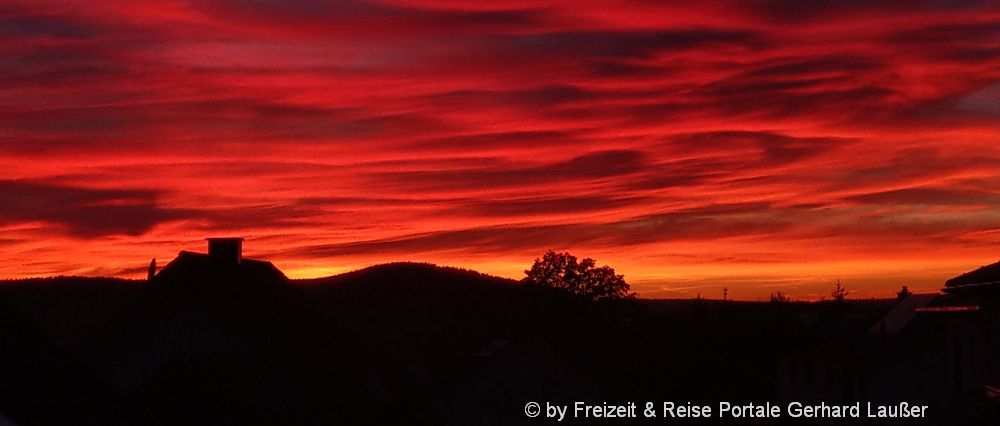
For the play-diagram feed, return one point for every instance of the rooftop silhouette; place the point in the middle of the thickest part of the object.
(989, 274)
(223, 265)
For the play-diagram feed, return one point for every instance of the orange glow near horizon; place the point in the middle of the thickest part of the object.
(761, 146)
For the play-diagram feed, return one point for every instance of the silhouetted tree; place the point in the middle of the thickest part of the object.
(584, 277)
(779, 297)
(839, 293)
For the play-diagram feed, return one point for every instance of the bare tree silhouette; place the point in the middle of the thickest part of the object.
(779, 297)
(839, 292)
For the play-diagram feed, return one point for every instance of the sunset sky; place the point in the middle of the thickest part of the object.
(759, 145)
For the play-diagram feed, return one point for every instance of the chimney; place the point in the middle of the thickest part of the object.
(225, 251)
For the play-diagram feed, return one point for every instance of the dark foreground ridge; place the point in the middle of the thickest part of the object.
(217, 339)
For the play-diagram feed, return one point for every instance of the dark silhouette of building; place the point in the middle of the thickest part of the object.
(939, 348)
(983, 276)
(223, 265)
(975, 299)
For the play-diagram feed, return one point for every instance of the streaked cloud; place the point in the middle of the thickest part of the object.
(774, 141)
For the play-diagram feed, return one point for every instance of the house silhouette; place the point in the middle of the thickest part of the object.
(932, 347)
(223, 264)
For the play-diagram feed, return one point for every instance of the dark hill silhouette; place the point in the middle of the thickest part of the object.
(234, 343)
(44, 323)
(415, 301)
(405, 298)
(414, 284)
(474, 344)
(417, 270)
(440, 345)
(47, 303)
(39, 380)
(405, 343)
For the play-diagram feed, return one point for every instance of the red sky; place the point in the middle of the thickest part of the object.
(759, 145)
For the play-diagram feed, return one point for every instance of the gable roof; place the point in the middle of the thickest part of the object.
(989, 274)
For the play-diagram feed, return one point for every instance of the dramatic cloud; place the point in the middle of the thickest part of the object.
(755, 144)
(83, 212)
